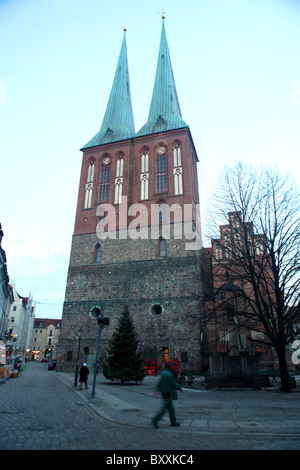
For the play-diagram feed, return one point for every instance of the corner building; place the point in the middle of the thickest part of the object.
(137, 236)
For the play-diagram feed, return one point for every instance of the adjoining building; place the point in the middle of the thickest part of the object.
(19, 323)
(5, 291)
(45, 337)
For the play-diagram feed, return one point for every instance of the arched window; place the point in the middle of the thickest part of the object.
(104, 180)
(98, 254)
(120, 166)
(177, 155)
(91, 170)
(162, 247)
(161, 170)
(145, 162)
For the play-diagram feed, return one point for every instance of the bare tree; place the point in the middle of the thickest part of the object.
(257, 257)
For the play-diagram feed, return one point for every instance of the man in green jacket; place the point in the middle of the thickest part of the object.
(165, 386)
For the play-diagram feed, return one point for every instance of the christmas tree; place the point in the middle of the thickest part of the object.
(124, 362)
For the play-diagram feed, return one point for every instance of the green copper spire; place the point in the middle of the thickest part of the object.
(118, 123)
(164, 111)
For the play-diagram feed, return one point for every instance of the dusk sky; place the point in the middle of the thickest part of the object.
(236, 65)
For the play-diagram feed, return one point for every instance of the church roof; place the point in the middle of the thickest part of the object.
(164, 111)
(118, 122)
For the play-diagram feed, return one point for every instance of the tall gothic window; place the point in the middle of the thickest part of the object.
(144, 175)
(119, 180)
(89, 186)
(161, 171)
(104, 180)
(177, 170)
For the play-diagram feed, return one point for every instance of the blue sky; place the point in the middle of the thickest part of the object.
(237, 72)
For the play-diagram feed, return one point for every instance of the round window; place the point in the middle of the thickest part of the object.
(157, 309)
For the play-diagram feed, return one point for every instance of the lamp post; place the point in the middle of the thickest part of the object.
(77, 364)
(101, 320)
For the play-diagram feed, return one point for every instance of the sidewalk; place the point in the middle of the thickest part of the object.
(259, 412)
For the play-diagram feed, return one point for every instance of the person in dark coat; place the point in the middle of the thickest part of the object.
(83, 375)
(166, 386)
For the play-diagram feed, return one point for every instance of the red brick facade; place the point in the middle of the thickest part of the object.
(223, 277)
(131, 150)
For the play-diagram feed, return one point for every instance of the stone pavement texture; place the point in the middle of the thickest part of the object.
(42, 410)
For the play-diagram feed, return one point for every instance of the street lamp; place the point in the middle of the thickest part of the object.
(77, 364)
(101, 320)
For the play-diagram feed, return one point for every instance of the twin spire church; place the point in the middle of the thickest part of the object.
(136, 238)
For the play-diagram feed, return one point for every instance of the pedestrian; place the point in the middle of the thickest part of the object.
(165, 386)
(83, 375)
(174, 394)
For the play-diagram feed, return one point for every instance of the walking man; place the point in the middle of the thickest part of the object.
(165, 386)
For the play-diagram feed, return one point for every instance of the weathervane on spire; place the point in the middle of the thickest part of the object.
(163, 13)
(124, 27)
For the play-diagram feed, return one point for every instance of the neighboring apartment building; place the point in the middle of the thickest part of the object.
(19, 323)
(45, 337)
(5, 291)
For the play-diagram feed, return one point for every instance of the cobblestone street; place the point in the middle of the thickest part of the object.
(40, 411)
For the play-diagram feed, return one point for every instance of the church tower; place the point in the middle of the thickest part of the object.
(137, 235)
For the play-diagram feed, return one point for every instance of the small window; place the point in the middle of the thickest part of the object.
(98, 254)
(162, 210)
(69, 355)
(184, 357)
(162, 248)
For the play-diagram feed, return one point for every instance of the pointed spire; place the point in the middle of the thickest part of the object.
(118, 122)
(164, 111)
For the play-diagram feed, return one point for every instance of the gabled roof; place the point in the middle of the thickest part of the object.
(46, 322)
(164, 111)
(118, 122)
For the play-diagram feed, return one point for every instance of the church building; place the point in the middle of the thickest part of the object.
(137, 236)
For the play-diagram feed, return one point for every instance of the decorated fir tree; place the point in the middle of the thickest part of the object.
(124, 362)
